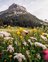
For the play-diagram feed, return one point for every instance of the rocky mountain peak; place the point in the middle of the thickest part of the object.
(13, 6)
(17, 15)
(16, 7)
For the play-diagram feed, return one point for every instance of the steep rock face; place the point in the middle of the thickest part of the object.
(17, 15)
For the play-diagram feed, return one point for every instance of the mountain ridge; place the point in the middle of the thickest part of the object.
(17, 15)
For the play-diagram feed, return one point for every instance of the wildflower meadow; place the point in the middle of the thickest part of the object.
(19, 44)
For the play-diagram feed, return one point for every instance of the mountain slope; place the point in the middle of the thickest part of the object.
(17, 15)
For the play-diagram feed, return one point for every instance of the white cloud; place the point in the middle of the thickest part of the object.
(42, 10)
(4, 7)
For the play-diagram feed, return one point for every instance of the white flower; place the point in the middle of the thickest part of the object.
(19, 57)
(10, 48)
(26, 31)
(16, 43)
(6, 34)
(38, 56)
(7, 38)
(33, 38)
(44, 34)
(44, 38)
(40, 45)
(28, 53)
(25, 43)
(29, 40)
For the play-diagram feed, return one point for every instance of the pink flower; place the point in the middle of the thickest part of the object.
(45, 54)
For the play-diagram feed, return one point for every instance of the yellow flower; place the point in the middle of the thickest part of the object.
(42, 33)
(21, 29)
(18, 32)
(21, 37)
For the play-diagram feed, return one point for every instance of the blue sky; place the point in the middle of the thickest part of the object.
(38, 8)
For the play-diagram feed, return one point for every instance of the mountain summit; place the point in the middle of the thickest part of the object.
(17, 7)
(14, 9)
(17, 15)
